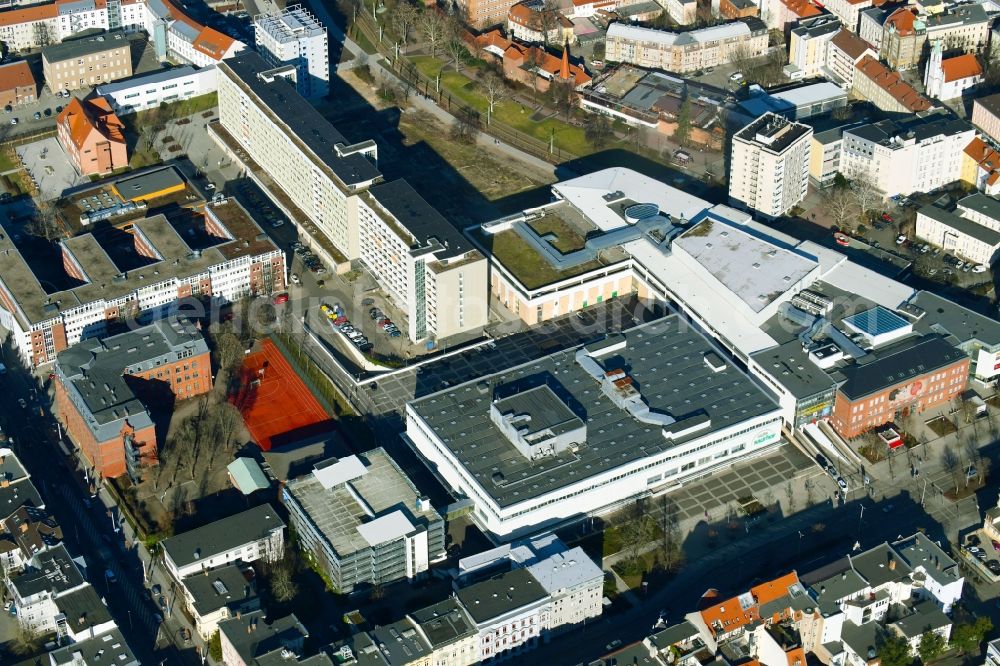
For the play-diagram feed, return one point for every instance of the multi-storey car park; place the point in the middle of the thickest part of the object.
(138, 266)
(364, 521)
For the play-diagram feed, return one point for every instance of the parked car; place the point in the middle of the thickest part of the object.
(900, 239)
(110, 575)
(886, 217)
(294, 278)
(280, 298)
(842, 483)
(736, 77)
(974, 549)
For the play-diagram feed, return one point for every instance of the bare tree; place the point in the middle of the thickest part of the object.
(457, 52)
(563, 97)
(403, 17)
(866, 192)
(635, 529)
(841, 206)
(434, 27)
(45, 221)
(41, 33)
(951, 464)
(283, 588)
(465, 127)
(495, 88)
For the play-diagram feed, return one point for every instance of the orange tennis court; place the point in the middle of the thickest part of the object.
(276, 405)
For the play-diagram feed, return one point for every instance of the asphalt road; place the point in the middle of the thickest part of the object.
(87, 527)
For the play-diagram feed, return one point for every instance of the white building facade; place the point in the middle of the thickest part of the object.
(769, 165)
(926, 157)
(296, 37)
(150, 91)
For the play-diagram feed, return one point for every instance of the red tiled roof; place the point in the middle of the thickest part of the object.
(892, 83)
(95, 115)
(985, 157)
(15, 75)
(802, 8)
(733, 613)
(209, 41)
(902, 20)
(524, 14)
(492, 38)
(546, 62)
(960, 67)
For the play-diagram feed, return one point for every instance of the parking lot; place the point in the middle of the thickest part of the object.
(50, 168)
(392, 391)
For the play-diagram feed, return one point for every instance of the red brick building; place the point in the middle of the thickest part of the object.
(737, 9)
(104, 389)
(912, 376)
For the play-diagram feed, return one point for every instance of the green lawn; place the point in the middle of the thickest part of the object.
(6, 161)
(566, 137)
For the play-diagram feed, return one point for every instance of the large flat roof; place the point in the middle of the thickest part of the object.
(949, 318)
(293, 111)
(95, 370)
(666, 359)
(773, 133)
(38, 300)
(336, 508)
(756, 270)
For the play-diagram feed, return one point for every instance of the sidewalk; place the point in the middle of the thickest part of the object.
(420, 102)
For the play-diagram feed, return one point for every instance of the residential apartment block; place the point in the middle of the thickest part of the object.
(428, 268)
(848, 11)
(217, 595)
(534, 22)
(843, 54)
(248, 536)
(261, 112)
(50, 23)
(234, 260)
(981, 167)
(886, 89)
(971, 231)
(104, 387)
(568, 575)
(163, 87)
(986, 116)
(296, 37)
(92, 136)
(36, 590)
(88, 61)
(769, 165)
(809, 44)
(480, 14)
(363, 521)
(917, 155)
(173, 33)
(323, 184)
(254, 639)
(17, 84)
(962, 28)
(684, 52)
(836, 614)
